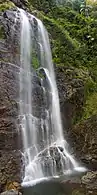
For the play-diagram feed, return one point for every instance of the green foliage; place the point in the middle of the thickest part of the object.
(61, 40)
(73, 38)
(6, 5)
(90, 106)
(43, 5)
(90, 87)
(91, 2)
(35, 60)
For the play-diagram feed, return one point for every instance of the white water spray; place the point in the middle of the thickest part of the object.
(48, 157)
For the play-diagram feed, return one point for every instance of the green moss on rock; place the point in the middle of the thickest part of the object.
(2, 33)
(77, 192)
(91, 106)
(6, 5)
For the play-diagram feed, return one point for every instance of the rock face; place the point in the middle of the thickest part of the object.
(90, 180)
(86, 141)
(70, 82)
(81, 136)
(10, 156)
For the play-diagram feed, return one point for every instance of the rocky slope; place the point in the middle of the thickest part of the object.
(74, 56)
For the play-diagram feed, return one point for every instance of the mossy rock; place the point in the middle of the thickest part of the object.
(77, 192)
(6, 5)
(2, 32)
(91, 106)
(85, 133)
(13, 185)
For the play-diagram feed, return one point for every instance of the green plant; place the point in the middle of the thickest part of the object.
(6, 5)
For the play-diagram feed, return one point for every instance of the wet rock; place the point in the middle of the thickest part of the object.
(52, 160)
(70, 82)
(20, 3)
(90, 180)
(10, 144)
(85, 134)
(13, 185)
(10, 157)
(11, 192)
(9, 45)
(10, 167)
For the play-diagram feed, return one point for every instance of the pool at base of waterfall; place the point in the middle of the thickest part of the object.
(69, 185)
(67, 174)
(33, 184)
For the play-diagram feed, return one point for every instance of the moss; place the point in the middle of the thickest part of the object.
(6, 5)
(68, 38)
(90, 106)
(35, 62)
(77, 192)
(2, 33)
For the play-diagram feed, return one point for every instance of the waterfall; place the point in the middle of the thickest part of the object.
(45, 149)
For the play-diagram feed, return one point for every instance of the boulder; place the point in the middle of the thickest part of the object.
(11, 192)
(90, 180)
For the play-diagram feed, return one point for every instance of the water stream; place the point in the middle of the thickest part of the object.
(45, 149)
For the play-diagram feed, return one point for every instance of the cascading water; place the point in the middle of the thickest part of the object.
(45, 150)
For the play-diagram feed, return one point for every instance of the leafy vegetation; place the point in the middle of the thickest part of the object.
(91, 106)
(6, 5)
(72, 28)
(73, 40)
